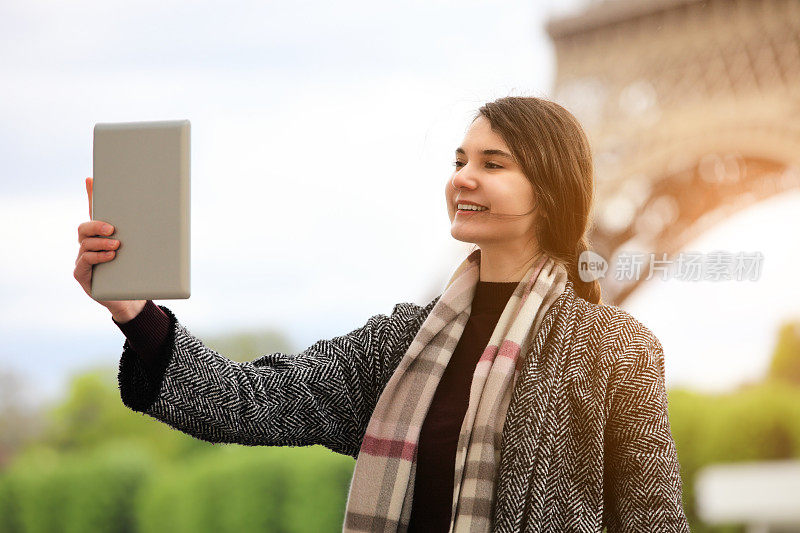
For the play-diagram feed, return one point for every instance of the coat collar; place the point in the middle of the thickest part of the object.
(530, 400)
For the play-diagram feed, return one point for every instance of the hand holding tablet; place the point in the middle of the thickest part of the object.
(94, 249)
(141, 188)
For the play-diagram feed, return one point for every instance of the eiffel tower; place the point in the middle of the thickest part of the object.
(692, 109)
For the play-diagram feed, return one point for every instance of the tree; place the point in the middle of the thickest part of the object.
(20, 422)
(785, 363)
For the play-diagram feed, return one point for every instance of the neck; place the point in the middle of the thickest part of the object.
(499, 265)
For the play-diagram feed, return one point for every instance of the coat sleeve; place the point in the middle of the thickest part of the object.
(642, 480)
(323, 395)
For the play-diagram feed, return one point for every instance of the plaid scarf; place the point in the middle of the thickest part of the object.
(381, 490)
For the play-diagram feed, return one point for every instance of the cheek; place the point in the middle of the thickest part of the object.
(507, 194)
(448, 198)
(521, 194)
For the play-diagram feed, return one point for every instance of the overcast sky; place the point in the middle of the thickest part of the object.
(322, 139)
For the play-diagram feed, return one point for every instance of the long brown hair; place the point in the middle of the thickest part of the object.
(550, 145)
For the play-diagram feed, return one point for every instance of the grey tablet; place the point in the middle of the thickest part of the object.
(141, 187)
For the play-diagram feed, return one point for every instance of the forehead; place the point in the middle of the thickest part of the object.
(480, 139)
(479, 135)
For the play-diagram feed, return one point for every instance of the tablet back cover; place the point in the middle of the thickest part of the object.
(141, 187)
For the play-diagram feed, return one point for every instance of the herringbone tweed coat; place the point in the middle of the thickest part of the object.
(586, 443)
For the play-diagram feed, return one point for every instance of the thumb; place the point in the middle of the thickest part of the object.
(89, 182)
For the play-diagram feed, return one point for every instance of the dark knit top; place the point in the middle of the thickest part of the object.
(434, 483)
(438, 439)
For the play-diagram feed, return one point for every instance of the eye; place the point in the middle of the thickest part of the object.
(459, 164)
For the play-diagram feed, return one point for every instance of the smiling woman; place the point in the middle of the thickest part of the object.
(513, 401)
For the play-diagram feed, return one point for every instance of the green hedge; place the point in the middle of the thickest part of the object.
(123, 486)
(302, 489)
(44, 491)
(759, 423)
(120, 488)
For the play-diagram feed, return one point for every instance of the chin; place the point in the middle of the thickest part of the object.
(463, 236)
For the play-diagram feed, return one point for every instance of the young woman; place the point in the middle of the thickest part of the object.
(513, 401)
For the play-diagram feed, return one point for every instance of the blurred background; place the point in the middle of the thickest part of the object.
(322, 141)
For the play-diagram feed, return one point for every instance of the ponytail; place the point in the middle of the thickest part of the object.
(588, 290)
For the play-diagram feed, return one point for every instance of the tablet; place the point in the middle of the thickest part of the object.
(141, 187)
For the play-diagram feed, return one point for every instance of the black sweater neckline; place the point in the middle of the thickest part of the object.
(491, 296)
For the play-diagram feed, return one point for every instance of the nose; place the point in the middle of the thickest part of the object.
(463, 178)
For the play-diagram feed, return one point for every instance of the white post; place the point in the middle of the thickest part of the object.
(757, 527)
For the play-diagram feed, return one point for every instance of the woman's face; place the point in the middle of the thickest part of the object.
(485, 173)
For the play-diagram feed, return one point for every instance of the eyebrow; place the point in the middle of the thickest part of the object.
(500, 153)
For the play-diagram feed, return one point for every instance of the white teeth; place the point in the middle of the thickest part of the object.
(470, 207)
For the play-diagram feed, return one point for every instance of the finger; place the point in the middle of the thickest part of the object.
(83, 266)
(92, 228)
(87, 259)
(91, 244)
(95, 244)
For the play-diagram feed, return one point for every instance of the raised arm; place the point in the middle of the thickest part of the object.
(643, 487)
(323, 395)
